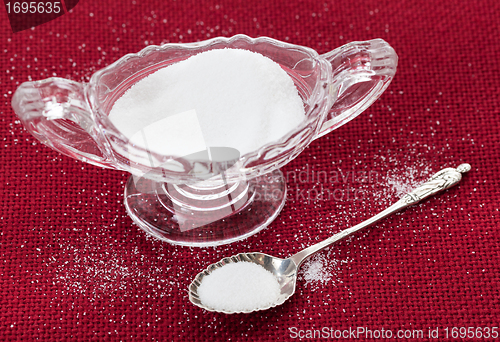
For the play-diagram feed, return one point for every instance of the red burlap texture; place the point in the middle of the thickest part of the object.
(74, 266)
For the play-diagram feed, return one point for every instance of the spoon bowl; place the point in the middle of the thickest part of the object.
(285, 270)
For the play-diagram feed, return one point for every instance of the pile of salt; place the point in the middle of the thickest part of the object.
(218, 98)
(239, 287)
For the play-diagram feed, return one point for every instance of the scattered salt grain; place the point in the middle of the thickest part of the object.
(239, 287)
(317, 270)
(225, 97)
(324, 269)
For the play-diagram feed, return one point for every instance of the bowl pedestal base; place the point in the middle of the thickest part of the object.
(200, 215)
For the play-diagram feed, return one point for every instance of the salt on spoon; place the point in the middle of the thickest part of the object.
(285, 270)
(239, 286)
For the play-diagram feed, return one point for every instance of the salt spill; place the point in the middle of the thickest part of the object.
(97, 269)
(323, 269)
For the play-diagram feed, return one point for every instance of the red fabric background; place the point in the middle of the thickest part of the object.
(74, 267)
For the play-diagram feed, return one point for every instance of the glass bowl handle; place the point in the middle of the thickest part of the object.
(55, 111)
(361, 71)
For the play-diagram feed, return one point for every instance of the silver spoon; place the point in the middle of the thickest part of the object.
(285, 270)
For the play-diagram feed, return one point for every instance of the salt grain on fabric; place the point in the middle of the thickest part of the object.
(226, 97)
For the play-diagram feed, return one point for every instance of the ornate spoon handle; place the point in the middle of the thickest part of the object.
(442, 180)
